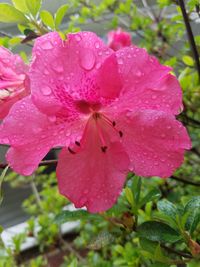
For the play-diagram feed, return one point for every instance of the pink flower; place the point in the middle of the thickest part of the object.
(13, 80)
(118, 39)
(110, 111)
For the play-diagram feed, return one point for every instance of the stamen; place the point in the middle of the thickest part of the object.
(71, 151)
(77, 143)
(104, 148)
(120, 133)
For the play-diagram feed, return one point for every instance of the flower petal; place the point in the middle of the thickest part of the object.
(91, 177)
(65, 71)
(155, 142)
(146, 83)
(32, 134)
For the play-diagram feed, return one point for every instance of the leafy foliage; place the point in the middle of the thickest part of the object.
(156, 222)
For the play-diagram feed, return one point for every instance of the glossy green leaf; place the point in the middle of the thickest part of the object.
(129, 195)
(34, 6)
(60, 15)
(20, 5)
(188, 60)
(10, 14)
(150, 196)
(167, 208)
(192, 209)
(47, 19)
(136, 187)
(66, 216)
(157, 231)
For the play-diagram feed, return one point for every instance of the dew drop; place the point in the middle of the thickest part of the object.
(85, 191)
(87, 59)
(154, 96)
(120, 61)
(163, 135)
(52, 118)
(97, 45)
(58, 67)
(98, 65)
(47, 45)
(46, 90)
(78, 37)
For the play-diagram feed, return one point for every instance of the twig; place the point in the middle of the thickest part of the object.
(10, 36)
(184, 181)
(179, 253)
(190, 36)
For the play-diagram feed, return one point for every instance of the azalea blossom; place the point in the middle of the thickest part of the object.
(14, 83)
(110, 111)
(118, 39)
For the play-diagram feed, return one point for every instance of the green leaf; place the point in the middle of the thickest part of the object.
(150, 196)
(157, 231)
(129, 195)
(136, 187)
(159, 256)
(10, 14)
(167, 208)
(192, 209)
(148, 245)
(60, 15)
(47, 19)
(188, 60)
(20, 5)
(3, 174)
(34, 6)
(66, 216)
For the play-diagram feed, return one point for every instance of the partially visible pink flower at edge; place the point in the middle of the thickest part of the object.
(14, 83)
(110, 111)
(118, 39)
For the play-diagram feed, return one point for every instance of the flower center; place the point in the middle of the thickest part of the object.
(99, 119)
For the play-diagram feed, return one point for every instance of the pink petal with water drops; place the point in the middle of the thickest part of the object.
(32, 134)
(118, 39)
(146, 83)
(14, 83)
(64, 72)
(91, 177)
(155, 142)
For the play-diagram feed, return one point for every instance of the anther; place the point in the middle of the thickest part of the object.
(77, 143)
(120, 133)
(113, 123)
(71, 151)
(104, 148)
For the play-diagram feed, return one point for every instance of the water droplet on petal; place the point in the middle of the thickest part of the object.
(47, 45)
(120, 61)
(78, 37)
(87, 59)
(46, 90)
(98, 65)
(97, 45)
(58, 67)
(52, 118)
(163, 135)
(85, 191)
(154, 96)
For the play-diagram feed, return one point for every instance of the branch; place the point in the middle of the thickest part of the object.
(184, 181)
(190, 35)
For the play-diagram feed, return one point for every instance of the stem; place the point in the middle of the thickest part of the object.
(35, 191)
(190, 35)
(184, 181)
